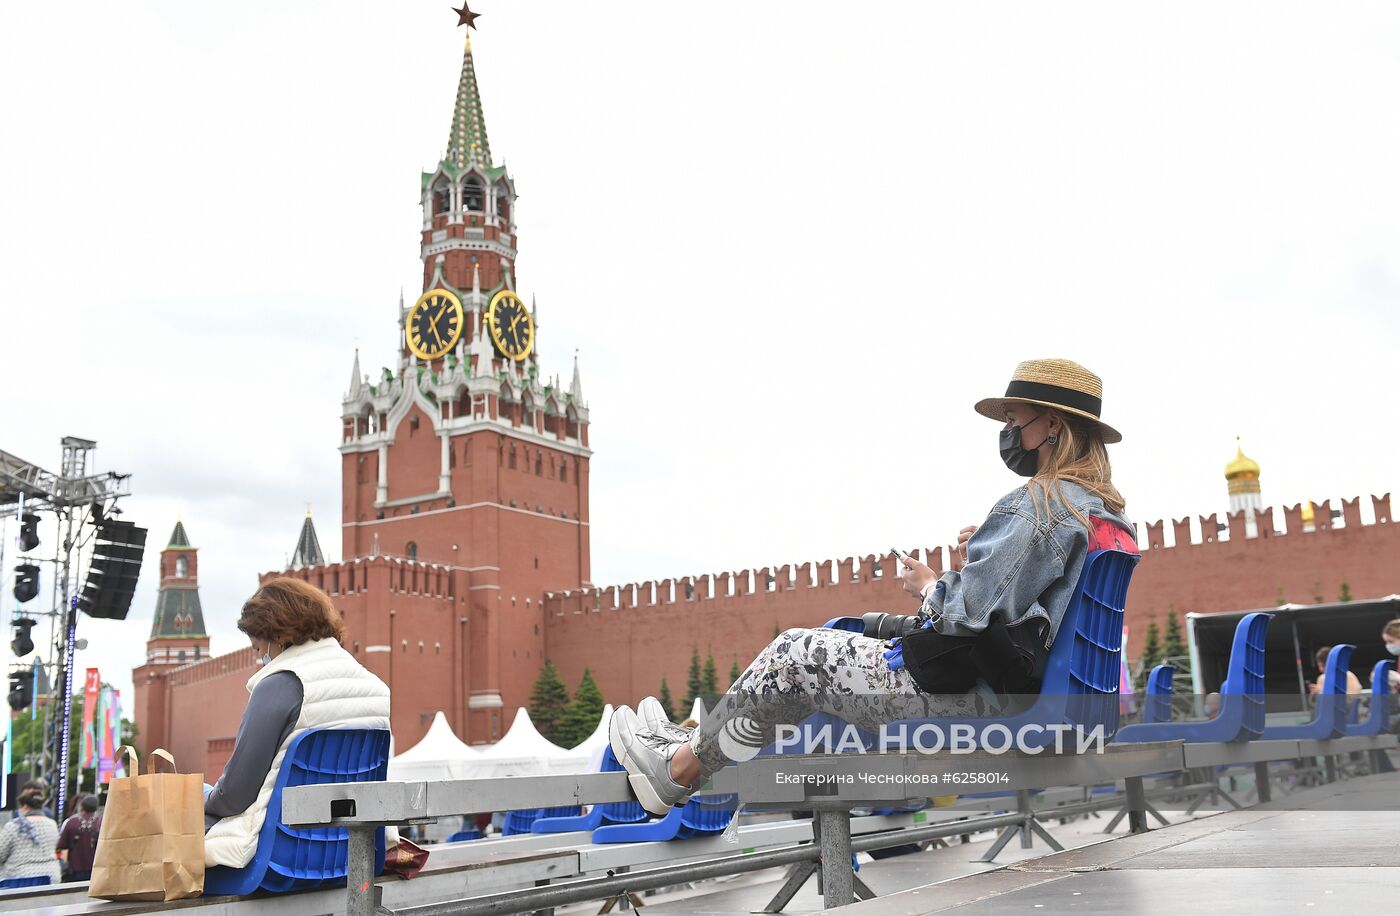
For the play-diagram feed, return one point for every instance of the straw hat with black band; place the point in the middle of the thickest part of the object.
(1058, 383)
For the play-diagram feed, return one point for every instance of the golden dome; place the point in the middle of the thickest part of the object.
(1307, 512)
(1242, 466)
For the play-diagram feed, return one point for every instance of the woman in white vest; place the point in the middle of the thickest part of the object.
(307, 680)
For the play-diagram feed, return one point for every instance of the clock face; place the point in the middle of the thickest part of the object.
(434, 324)
(512, 329)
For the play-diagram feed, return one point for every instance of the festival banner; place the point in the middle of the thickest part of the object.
(107, 741)
(91, 689)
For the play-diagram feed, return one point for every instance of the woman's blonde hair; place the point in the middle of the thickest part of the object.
(1078, 455)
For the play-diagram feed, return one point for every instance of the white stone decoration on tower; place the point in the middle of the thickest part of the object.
(1242, 479)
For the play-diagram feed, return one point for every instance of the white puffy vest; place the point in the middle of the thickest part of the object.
(337, 692)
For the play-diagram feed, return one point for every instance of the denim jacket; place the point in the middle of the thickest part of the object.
(1021, 570)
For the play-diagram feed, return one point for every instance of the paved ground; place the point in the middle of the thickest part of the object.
(1328, 850)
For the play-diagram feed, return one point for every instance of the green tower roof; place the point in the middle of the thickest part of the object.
(178, 613)
(308, 552)
(467, 144)
(178, 537)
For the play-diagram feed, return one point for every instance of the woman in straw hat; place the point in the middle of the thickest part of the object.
(984, 628)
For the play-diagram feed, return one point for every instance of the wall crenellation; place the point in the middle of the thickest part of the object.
(874, 570)
(1210, 529)
(847, 573)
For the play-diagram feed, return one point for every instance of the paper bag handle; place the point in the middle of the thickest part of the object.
(163, 754)
(133, 760)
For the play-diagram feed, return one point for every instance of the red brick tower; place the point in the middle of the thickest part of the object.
(177, 638)
(468, 456)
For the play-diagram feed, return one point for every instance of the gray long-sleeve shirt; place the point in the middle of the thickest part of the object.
(270, 717)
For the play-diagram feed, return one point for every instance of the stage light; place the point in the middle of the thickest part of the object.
(23, 643)
(21, 691)
(26, 582)
(28, 531)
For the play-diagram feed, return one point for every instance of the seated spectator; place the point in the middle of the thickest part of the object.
(1391, 635)
(77, 841)
(27, 842)
(984, 628)
(307, 680)
(1353, 682)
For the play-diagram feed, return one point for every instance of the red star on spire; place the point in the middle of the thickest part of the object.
(466, 17)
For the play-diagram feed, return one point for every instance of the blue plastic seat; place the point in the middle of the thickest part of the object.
(35, 881)
(1159, 694)
(1241, 715)
(462, 836)
(290, 859)
(523, 820)
(1330, 718)
(1378, 719)
(703, 815)
(1080, 687)
(599, 815)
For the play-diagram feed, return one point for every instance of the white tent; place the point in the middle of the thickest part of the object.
(440, 755)
(522, 752)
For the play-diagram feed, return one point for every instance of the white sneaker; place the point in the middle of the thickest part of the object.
(646, 756)
(655, 719)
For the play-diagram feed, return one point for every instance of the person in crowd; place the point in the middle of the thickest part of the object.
(1391, 635)
(1353, 682)
(985, 626)
(27, 842)
(41, 788)
(77, 841)
(306, 680)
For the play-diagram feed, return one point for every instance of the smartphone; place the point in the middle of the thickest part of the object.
(902, 555)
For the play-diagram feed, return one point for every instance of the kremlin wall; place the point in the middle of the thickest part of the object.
(465, 525)
(651, 627)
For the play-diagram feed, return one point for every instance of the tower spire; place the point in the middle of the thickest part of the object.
(467, 143)
(355, 375)
(576, 387)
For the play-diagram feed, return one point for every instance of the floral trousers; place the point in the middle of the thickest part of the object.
(803, 671)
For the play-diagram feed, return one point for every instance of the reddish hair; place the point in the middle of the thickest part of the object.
(287, 612)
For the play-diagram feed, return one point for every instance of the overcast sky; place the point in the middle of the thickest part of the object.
(792, 242)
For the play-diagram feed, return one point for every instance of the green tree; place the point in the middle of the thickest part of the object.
(694, 683)
(734, 672)
(549, 701)
(775, 630)
(1345, 594)
(1151, 652)
(1172, 644)
(583, 713)
(1279, 600)
(710, 679)
(664, 695)
(1317, 592)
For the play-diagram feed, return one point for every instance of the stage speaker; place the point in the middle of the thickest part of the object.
(116, 565)
(13, 783)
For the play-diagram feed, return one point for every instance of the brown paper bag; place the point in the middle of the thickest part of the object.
(151, 846)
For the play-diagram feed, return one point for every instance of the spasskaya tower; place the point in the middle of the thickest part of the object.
(466, 456)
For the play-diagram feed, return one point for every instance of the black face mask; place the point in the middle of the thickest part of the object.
(1016, 456)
